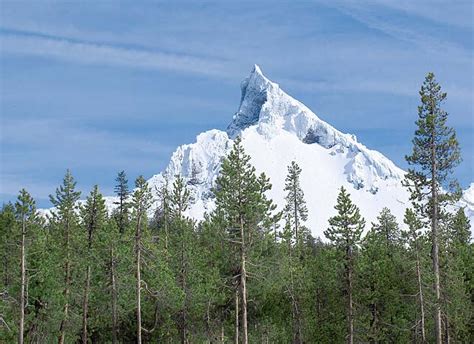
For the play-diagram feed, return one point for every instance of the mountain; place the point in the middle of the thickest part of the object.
(276, 129)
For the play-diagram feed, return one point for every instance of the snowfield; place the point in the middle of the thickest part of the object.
(276, 129)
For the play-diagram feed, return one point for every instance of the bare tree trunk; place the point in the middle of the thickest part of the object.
(23, 281)
(85, 305)
(435, 252)
(420, 298)
(66, 292)
(236, 338)
(114, 296)
(139, 279)
(243, 284)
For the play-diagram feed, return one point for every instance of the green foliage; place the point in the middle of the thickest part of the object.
(346, 227)
(385, 310)
(296, 212)
(122, 192)
(435, 152)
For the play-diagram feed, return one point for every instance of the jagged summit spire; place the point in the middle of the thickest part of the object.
(257, 79)
(257, 69)
(254, 90)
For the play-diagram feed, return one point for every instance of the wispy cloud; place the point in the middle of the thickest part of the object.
(453, 13)
(107, 54)
(394, 26)
(86, 141)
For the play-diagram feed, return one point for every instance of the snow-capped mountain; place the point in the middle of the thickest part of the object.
(276, 129)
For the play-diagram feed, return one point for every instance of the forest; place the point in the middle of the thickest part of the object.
(247, 273)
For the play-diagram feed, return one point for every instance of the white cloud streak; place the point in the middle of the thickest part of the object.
(102, 54)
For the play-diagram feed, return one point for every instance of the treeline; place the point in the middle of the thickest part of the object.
(84, 275)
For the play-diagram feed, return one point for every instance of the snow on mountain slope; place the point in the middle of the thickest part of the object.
(277, 129)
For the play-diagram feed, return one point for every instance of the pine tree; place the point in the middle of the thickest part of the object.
(296, 213)
(162, 214)
(435, 154)
(179, 202)
(345, 232)
(141, 201)
(246, 212)
(66, 218)
(121, 189)
(94, 215)
(388, 228)
(295, 208)
(27, 216)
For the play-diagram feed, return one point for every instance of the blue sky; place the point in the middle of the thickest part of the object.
(102, 86)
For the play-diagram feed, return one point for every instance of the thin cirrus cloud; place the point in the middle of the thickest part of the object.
(106, 54)
(400, 23)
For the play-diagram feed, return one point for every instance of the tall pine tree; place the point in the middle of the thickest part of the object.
(121, 189)
(345, 233)
(141, 201)
(247, 214)
(435, 154)
(94, 216)
(295, 209)
(296, 213)
(28, 218)
(66, 219)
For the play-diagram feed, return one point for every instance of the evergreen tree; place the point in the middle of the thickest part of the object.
(121, 189)
(94, 215)
(182, 237)
(162, 213)
(296, 213)
(435, 154)
(142, 199)
(388, 228)
(295, 208)
(27, 217)
(246, 212)
(345, 232)
(66, 219)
